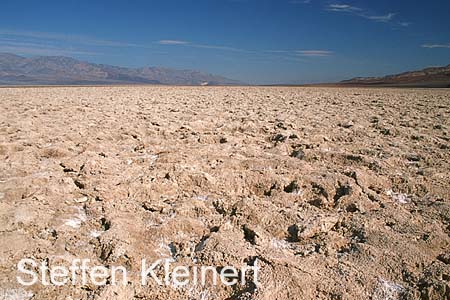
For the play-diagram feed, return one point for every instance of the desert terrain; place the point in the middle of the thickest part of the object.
(336, 193)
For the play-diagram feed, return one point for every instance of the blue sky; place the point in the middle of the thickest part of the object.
(256, 41)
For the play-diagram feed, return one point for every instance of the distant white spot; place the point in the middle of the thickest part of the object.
(198, 293)
(280, 244)
(82, 199)
(153, 158)
(142, 157)
(74, 223)
(2, 195)
(15, 294)
(398, 197)
(162, 220)
(95, 233)
(81, 214)
(165, 250)
(297, 192)
(208, 177)
(78, 219)
(388, 290)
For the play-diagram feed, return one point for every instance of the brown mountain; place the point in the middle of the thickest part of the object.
(61, 70)
(429, 77)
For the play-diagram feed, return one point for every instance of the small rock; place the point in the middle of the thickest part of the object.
(316, 225)
(79, 184)
(341, 191)
(279, 138)
(374, 120)
(269, 192)
(82, 199)
(223, 140)
(413, 157)
(298, 154)
(66, 169)
(346, 124)
(152, 207)
(249, 235)
(351, 208)
(293, 233)
(292, 188)
(385, 131)
(308, 250)
(445, 258)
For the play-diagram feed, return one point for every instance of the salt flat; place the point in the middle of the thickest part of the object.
(337, 193)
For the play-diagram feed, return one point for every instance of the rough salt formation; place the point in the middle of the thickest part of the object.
(337, 193)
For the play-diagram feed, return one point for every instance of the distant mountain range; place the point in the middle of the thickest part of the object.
(429, 77)
(61, 70)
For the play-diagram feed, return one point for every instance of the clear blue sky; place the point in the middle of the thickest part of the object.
(256, 41)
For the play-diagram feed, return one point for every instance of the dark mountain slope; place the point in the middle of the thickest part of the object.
(60, 70)
(429, 77)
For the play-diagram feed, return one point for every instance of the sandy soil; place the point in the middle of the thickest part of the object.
(336, 193)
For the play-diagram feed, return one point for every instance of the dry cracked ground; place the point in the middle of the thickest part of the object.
(335, 193)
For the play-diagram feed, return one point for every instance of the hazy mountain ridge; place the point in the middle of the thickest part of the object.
(59, 70)
(428, 77)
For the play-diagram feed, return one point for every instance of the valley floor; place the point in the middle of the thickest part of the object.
(335, 193)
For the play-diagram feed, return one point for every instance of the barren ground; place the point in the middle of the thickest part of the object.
(336, 193)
